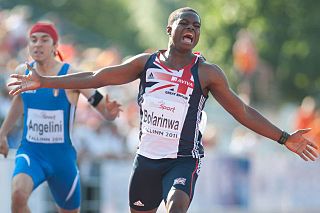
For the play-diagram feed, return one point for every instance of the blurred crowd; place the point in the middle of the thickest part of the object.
(93, 136)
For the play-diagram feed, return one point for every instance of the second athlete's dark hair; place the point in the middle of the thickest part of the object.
(174, 15)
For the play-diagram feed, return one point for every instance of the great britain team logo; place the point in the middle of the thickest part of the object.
(180, 81)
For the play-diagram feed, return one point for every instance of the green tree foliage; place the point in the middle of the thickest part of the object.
(286, 32)
(151, 21)
(99, 22)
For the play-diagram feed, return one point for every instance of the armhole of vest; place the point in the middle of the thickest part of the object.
(199, 60)
(64, 69)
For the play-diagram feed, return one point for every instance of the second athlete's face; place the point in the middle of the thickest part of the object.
(41, 46)
(185, 31)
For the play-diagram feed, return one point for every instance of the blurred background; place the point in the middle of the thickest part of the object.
(269, 51)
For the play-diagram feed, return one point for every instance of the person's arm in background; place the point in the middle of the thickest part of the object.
(114, 75)
(108, 109)
(15, 112)
(216, 82)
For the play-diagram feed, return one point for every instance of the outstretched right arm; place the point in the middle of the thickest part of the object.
(217, 84)
(113, 75)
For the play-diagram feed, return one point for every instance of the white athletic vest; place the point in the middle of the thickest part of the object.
(171, 104)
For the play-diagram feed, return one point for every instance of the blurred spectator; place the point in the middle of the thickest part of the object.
(308, 116)
(256, 76)
(210, 137)
(100, 142)
(306, 113)
(243, 141)
(244, 53)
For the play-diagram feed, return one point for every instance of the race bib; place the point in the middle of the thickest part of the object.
(162, 117)
(45, 126)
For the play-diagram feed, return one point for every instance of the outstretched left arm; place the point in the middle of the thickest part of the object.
(218, 86)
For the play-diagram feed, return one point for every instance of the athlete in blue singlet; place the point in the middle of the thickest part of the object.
(46, 152)
(174, 85)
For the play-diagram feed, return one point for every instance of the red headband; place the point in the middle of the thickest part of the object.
(45, 28)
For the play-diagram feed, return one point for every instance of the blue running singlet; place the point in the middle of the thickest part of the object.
(46, 152)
